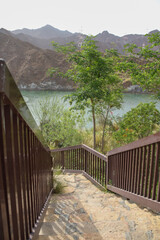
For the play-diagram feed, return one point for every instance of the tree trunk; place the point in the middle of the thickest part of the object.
(94, 125)
(104, 126)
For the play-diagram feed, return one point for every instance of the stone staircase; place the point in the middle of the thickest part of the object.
(82, 211)
(66, 218)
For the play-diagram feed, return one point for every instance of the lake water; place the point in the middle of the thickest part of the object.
(130, 100)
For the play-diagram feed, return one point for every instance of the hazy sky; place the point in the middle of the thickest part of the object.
(119, 17)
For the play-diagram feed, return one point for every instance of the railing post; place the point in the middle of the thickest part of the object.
(51, 171)
(86, 158)
(107, 169)
(62, 159)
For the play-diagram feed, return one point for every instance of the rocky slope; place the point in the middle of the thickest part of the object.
(29, 64)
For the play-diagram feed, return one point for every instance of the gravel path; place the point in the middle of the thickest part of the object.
(83, 211)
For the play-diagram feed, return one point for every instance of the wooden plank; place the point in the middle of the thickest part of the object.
(151, 170)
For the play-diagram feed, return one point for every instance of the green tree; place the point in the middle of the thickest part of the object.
(60, 127)
(94, 74)
(143, 63)
(104, 112)
(139, 122)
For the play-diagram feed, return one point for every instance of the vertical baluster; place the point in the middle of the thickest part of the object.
(27, 176)
(143, 170)
(80, 159)
(139, 170)
(77, 159)
(151, 170)
(106, 173)
(37, 175)
(69, 159)
(18, 175)
(86, 160)
(130, 170)
(115, 164)
(133, 170)
(147, 171)
(62, 159)
(33, 176)
(136, 170)
(95, 166)
(120, 169)
(127, 170)
(10, 167)
(98, 173)
(117, 156)
(4, 221)
(156, 171)
(5, 233)
(158, 192)
(103, 182)
(74, 159)
(70, 155)
(123, 169)
(91, 164)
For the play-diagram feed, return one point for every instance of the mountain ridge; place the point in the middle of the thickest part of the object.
(38, 38)
(44, 32)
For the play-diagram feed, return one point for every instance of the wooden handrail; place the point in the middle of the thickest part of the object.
(155, 138)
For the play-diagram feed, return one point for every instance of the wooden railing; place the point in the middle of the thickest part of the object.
(25, 164)
(82, 158)
(132, 171)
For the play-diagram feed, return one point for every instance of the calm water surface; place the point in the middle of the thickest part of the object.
(130, 100)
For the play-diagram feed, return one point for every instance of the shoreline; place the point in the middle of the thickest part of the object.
(73, 90)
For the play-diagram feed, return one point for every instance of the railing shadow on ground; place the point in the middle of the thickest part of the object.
(132, 171)
(25, 164)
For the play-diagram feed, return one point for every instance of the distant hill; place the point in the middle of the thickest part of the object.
(29, 64)
(45, 32)
(43, 37)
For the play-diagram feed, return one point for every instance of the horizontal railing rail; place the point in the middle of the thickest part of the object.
(137, 144)
(132, 171)
(25, 164)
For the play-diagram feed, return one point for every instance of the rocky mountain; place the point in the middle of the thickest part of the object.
(107, 41)
(47, 43)
(29, 64)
